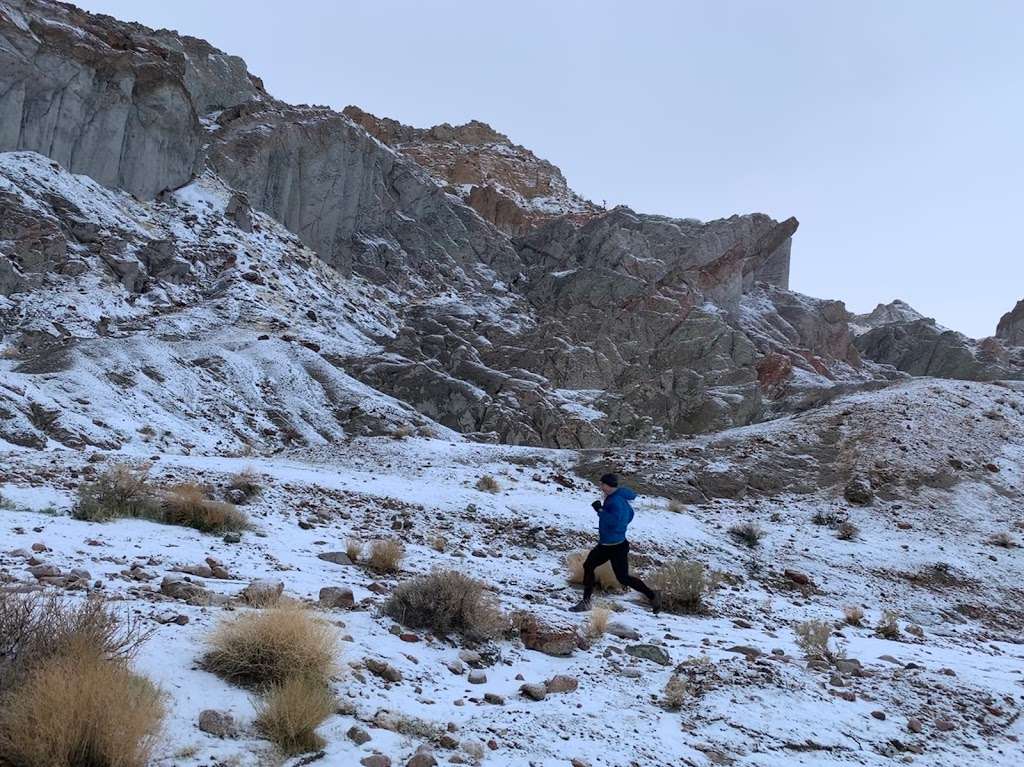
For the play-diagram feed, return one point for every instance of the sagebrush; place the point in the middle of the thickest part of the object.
(271, 646)
(290, 712)
(684, 586)
(604, 575)
(447, 602)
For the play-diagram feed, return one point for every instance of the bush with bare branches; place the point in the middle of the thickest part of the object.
(447, 602)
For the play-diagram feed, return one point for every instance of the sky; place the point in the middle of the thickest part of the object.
(894, 131)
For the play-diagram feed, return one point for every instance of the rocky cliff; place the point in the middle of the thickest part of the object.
(508, 308)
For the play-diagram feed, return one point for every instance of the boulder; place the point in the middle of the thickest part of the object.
(263, 592)
(220, 724)
(337, 597)
(650, 652)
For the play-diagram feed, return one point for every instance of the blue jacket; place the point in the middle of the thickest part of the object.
(614, 516)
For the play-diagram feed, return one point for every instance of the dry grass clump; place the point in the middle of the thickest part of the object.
(246, 482)
(34, 629)
(847, 531)
(488, 484)
(290, 712)
(684, 586)
(813, 638)
(828, 517)
(1003, 539)
(888, 627)
(80, 710)
(676, 507)
(402, 432)
(186, 504)
(854, 615)
(747, 533)
(439, 543)
(604, 576)
(67, 695)
(7, 504)
(120, 491)
(385, 555)
(447, 602)
(354, 549)
(271, 646)
(597, 621)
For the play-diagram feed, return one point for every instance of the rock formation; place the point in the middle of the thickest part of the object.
(503, 305)
(1011, 326)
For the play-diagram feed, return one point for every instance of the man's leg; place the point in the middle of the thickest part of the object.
(620, 564)
(597, 557)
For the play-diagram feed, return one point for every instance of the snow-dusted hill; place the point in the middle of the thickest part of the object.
(924, 551)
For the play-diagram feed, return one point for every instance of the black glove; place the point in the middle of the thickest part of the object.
(596, 505)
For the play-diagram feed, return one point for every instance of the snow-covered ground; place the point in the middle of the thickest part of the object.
(758, 703)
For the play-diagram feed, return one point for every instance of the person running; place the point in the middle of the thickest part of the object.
(614, 515)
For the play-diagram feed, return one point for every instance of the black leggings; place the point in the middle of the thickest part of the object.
(618, 555)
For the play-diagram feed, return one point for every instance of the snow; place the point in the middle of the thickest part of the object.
(769, 712)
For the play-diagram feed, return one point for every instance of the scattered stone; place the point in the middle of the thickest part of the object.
(880, 715)
(455, 667)
(384, 670)
(477, 677)
(749, 652)
(358, 735)
(447, 741)
(263, 592)
(914, 725)
(375, 760)
(220, 724)
(858, 492)
(471, 658)
(799, 578)
(177, 587)
(621, 631)
(422, 759)
(232, 537)
(944, 725)
(494, 698)
(335, 557)
(337, 597)
(650, 652)
(562, 683)
(534, 691)
(44, 571)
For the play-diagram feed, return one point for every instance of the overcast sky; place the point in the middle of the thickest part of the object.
(892, 130)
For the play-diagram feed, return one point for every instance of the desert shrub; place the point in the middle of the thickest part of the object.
(271, 646)
(488, 484)
(120, 491)
(354, 549)
(246, 482)
(888, 627)
(438, 543)
(1003, 539)
(80, 710)
(684, 586)
(597, 621)
(828, 517)
(604, 576)
(446, 602)
(385, 555)
(36, 628)
(747, 533)
(6, 504)
(915, 630)
(854, 615)
(186, 504)
(402, 432)
(813, 638)
(847, 531)
(290, 712)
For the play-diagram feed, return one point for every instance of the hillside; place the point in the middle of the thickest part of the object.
(354, 381)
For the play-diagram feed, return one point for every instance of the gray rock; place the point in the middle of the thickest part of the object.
(335, 557)
(263, 592)
(358, 735)
(220, 724)
(561, 683)
(1011, 326)
(534, 691)
(477, 677)
(650, 652)
(622, 631)
(382, 669)
(337, 597)
(177, 587)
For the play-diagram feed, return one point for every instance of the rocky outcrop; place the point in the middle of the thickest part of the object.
(923, 348)
(1011, 326)
(505, 183)
(111, 100)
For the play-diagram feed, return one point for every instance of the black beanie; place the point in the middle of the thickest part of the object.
(611, 480)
